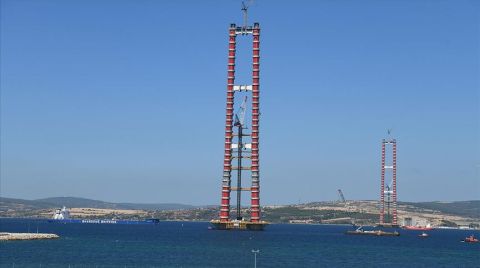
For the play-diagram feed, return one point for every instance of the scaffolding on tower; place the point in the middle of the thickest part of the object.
(240, 145)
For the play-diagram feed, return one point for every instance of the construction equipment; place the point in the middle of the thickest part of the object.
(389, 193)
(341, 197)
(240, 115)
(245, 12)
(240, 124)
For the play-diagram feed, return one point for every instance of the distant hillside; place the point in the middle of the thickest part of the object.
(460, 208)
(13, 203)
(76, 202)
(360, 212)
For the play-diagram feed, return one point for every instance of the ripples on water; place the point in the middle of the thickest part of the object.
(189, 244)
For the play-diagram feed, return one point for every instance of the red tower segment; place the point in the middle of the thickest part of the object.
(388, 196)
(382, 186)
(255, 189)
(227, 167)
(394, 186)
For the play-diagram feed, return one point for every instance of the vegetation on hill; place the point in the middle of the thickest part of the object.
(288, 213)
(460, 208)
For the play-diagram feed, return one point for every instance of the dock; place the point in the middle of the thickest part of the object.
(26, 236)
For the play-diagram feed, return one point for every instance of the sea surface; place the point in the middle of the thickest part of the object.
(192, 244)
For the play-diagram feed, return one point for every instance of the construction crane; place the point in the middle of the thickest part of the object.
(240, 115)
(240, 124)
(341, 197)
(245, 12)
(389, 193)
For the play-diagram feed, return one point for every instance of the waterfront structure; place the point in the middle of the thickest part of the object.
(26, 236)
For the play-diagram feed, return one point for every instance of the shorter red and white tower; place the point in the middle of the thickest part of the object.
(388, 183)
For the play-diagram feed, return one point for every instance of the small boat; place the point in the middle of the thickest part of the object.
(423, 235)
(470, 239)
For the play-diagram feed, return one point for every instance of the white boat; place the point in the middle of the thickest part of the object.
(423, 234)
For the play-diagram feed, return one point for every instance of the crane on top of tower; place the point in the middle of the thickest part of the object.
(245, 7)
(240, 115)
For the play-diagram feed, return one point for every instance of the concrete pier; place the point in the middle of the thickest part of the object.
(26, 236)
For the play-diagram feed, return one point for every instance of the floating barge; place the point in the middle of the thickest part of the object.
(239, 225)
(360, 231)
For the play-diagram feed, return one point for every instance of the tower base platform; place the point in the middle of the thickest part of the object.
(239, 225)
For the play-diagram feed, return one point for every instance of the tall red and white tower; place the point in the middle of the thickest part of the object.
(388, 183)
(241, 148)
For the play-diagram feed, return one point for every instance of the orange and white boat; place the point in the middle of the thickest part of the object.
(470, 239)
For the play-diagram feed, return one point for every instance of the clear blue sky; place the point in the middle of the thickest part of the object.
(125, 100)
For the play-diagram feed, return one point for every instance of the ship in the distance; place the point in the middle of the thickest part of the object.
(63, 216)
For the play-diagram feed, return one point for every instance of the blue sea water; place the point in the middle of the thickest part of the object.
(191, 244)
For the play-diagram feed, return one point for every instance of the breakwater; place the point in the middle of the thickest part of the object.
(26, 236)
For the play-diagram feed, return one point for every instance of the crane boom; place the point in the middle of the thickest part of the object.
(340, 194)
(240, 115)
(240, 124)
(245, 7)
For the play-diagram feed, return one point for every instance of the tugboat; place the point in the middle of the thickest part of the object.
(470, 239)
(63, 216)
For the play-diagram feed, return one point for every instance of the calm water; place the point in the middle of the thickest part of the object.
(177, 244)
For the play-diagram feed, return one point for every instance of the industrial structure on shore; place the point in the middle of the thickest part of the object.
(388, 188)
(241, 146)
